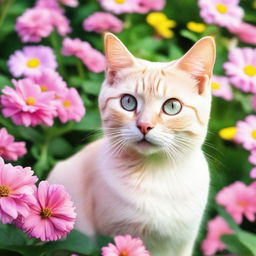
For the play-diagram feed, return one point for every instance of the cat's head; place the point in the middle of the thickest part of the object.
(155, 107)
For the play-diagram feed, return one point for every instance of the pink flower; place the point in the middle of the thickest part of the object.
(27, 104)
(50, 81)
(125, 245)
(252, 157)
(221, 12)
(253, 173)
(74, 47)
(32, 60)
(242, 68)
(50, 4)
(246, 132)
(61, 23)
(102, 22)
(145, 6)
(34, 24)
(9, 149)
(245, 32)
(221, 87)
(70, 106)
(17, 186)
(92, 59)
(212, 243)
(238, 200)
(70, 3)
(53, 214)
(119, 6)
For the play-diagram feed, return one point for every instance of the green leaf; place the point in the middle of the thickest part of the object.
(90, 121)
(91, 87)
(235, 246)
(60, 147)
(30, 134)
(249, 240)
(4, 80)
(190, 35)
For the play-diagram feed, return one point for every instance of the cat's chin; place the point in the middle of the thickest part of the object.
(145, 148)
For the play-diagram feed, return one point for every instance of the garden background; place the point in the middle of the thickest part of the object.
(159, 31)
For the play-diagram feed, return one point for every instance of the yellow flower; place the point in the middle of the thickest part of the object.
(228, 133)
(196, 27)
(161, 24)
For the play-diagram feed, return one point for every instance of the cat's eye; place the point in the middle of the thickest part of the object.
(128, 102)
(172, 107)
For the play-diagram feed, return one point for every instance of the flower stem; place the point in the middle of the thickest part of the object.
(55, 44)
(80, 69)
(6, 7)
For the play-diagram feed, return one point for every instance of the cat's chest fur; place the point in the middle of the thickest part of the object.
(160, 199)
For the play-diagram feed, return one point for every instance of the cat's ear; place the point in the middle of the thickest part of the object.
(199, 61)
(117, 55)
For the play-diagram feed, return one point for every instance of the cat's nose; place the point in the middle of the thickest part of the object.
(144, 127)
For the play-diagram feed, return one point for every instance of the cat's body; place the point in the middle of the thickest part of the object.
(148, 177)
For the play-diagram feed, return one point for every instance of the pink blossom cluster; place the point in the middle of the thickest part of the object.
(221, 87)
(9, 149)
(46, 212)
(40, 98)
(92, 58)
(125, 245)
(39, 22)
(228, 13)
(100, 22)
(246, 135)
(132, 6)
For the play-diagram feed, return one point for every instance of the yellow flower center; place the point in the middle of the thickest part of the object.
(66, 103)
(4, 191)
(43, 88)
(33, 63)
(215, 86)
(228, 133)
(30, 101)
(250, 70)
(124, 253)
(46, 213)
(254, 134)
(222, 8)
(120, 1)
(196, 27)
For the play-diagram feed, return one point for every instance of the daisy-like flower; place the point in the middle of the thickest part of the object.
(145, 6)
(221, 87)
(34, 24)
(32, 60)
(238, 200)
(17, 187)
(52, 216)
(125, 246)
(252, 157)
(101, 22)
(27, 104)
(245, 32)
(9, 149)
(221, 12)
(212, 243)
(246, 132)
(119, 6)
(70, 3)
(241, 68)
(50, 81)
(70, 106)
(92, 58)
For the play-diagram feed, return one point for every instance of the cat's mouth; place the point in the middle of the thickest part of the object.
(144, 143)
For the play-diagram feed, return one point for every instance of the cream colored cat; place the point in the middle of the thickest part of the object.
(148, 176)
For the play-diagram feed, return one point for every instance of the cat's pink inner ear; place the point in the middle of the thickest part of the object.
(117, 55)
(199, 61)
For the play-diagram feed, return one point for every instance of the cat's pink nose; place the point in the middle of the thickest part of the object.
(144, 127)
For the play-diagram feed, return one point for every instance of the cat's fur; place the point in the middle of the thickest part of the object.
(121, 186)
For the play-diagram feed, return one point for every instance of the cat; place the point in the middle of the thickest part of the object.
(147, 176)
